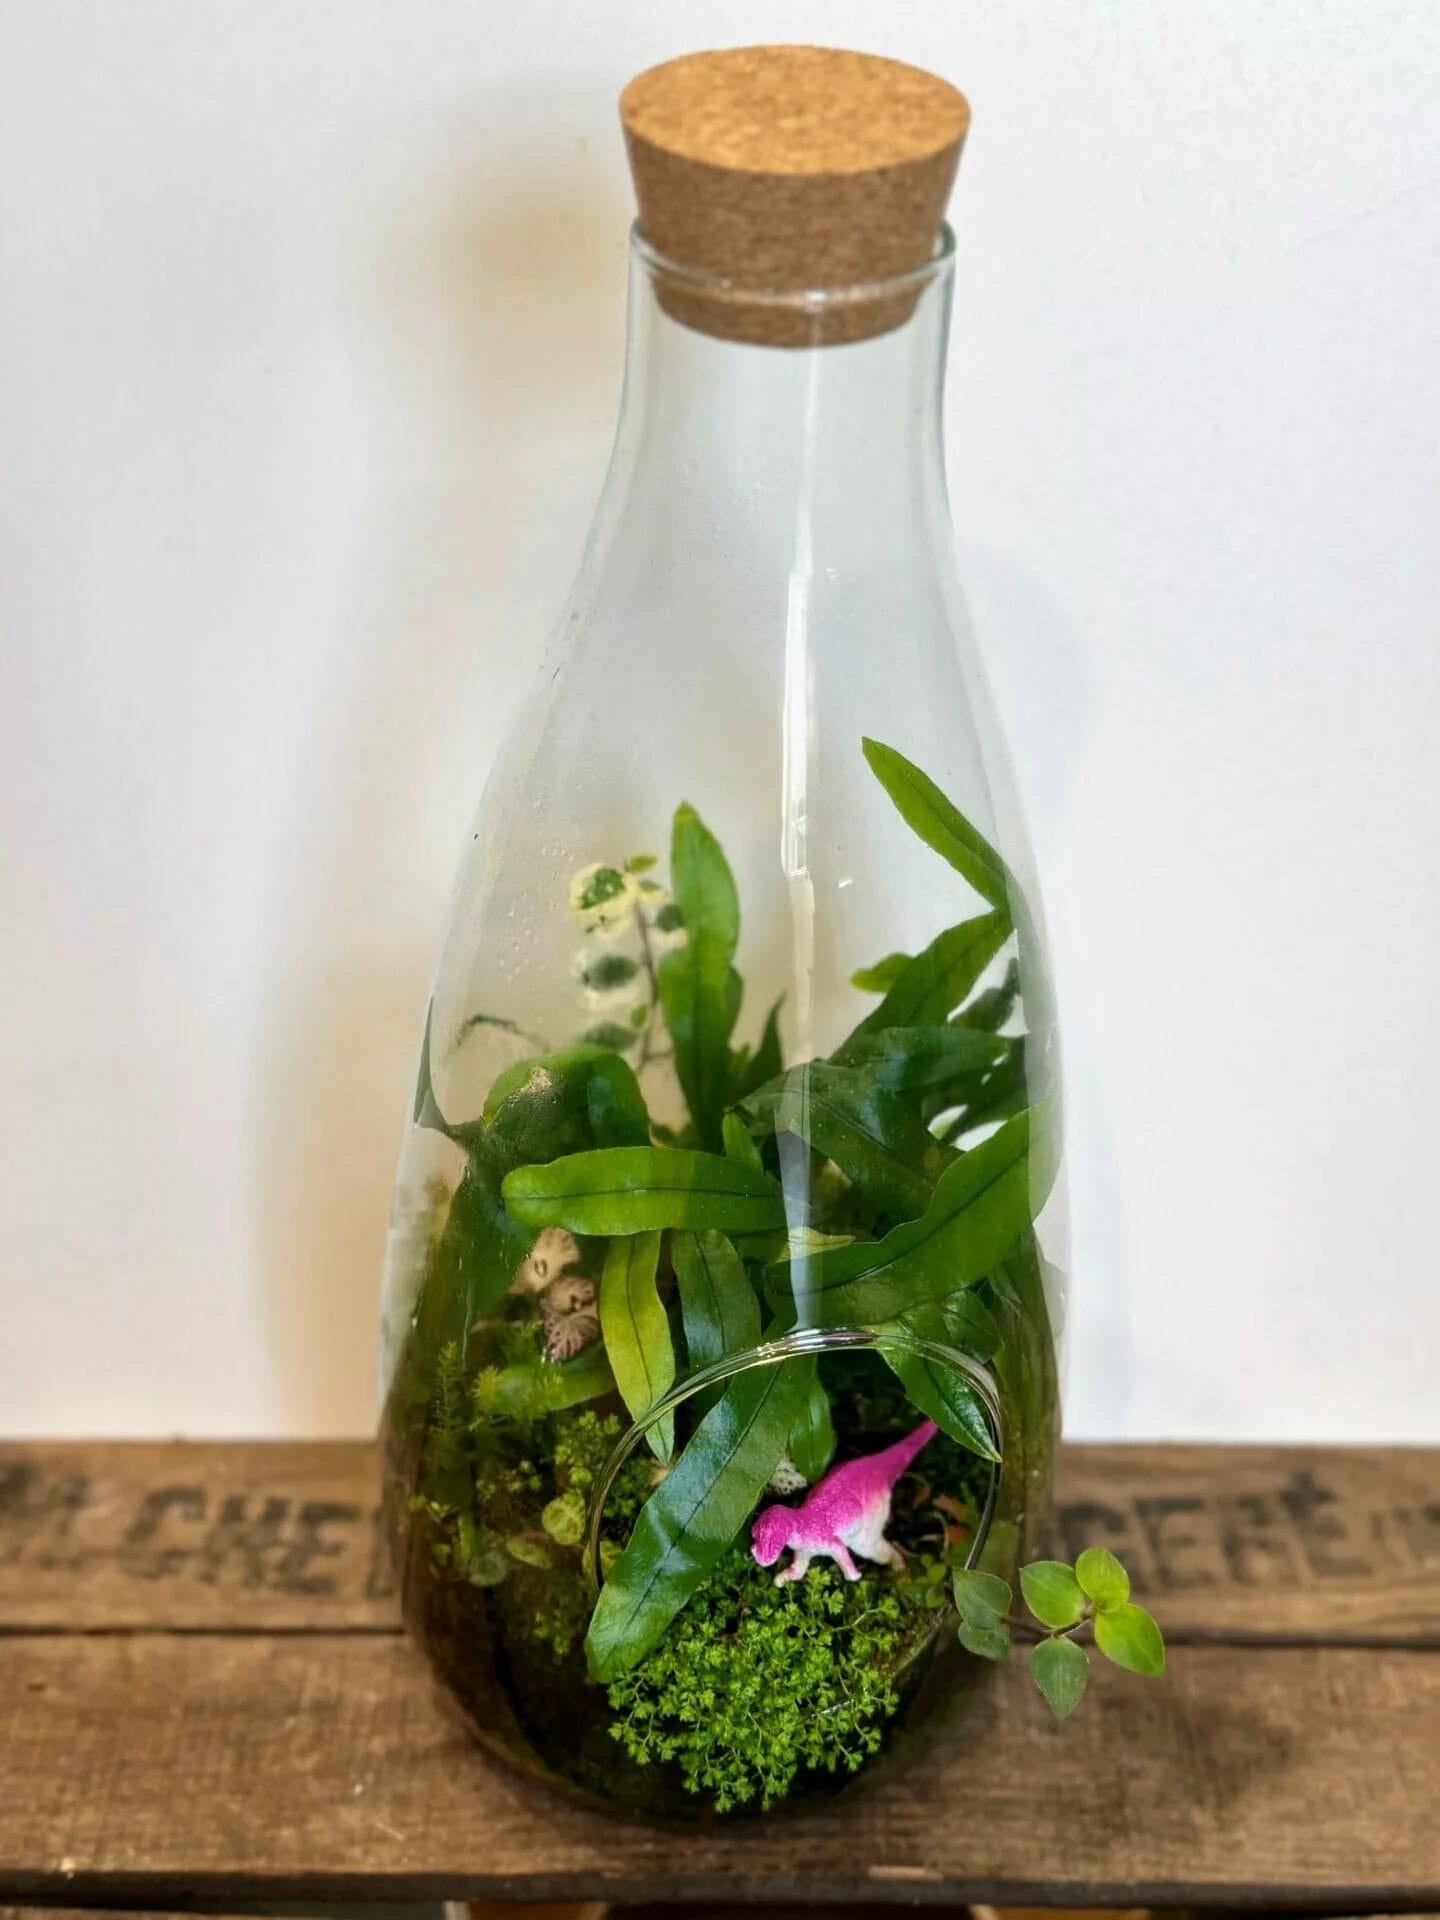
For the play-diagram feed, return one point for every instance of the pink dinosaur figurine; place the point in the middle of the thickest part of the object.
(848, 1509)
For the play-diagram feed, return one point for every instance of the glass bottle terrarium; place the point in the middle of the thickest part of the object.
(718, 1329)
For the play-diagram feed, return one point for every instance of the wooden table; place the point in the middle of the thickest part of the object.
(205, 1697)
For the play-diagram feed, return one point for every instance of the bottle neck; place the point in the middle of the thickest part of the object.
(832, 450)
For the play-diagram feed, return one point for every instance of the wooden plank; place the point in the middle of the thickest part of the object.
(566, 1910)
(605, 1910)
(1272, 1543)
(705, 1910)
(158, 1769)
(182, 1535)
(1268, 1543)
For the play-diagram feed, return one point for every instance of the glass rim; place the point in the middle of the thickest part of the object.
(722, 287)
(798, 1344)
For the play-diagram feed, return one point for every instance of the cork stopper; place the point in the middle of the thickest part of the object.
(765, 173)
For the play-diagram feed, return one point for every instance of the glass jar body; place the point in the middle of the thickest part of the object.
(740, 1056)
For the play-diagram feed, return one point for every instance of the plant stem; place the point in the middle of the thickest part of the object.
(647, 960)
(1026, 1629)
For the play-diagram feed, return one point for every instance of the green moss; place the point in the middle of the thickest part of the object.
(759, 1683)
(583, 1443)
(549, 1596)
(546, 1596)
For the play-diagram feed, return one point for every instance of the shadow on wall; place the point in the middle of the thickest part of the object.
(487, 363)
(1037, 664)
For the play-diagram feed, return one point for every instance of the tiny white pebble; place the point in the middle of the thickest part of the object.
(359, 1787)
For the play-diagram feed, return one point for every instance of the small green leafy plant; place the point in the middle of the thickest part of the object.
(764, 1683)
(591, 1256)
(1094, 1593)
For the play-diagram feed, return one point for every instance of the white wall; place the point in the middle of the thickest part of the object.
(309, 332)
